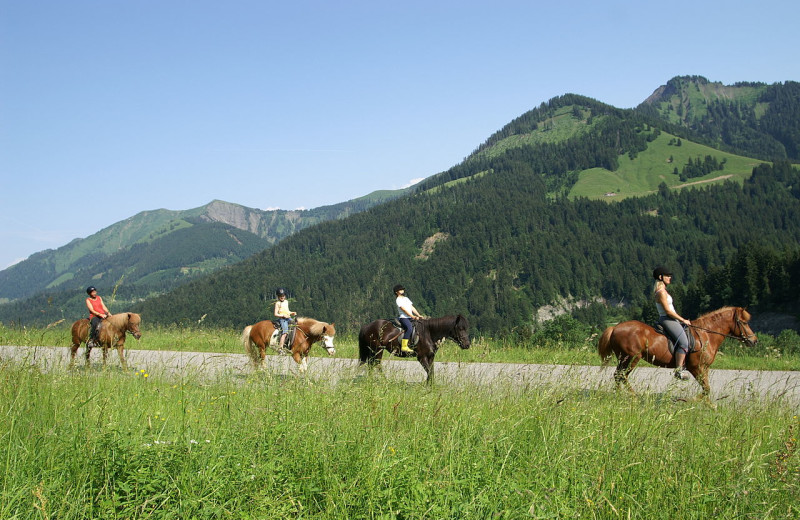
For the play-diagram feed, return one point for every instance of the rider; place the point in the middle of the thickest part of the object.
(407, 313)
(97, 313)
(673, 323)
(284, 315)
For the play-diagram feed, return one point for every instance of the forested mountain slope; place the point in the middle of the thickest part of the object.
(496, 249)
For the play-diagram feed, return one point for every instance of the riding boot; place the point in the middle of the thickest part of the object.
(680, 370)
(283, 340)
(404, 347)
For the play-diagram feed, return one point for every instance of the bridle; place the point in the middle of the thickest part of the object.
(743, 337)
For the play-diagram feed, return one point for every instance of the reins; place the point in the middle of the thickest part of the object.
(743, 338)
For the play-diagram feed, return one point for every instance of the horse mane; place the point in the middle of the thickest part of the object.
(444, 322)
(121, 319)
(715, 316)
(313, 327)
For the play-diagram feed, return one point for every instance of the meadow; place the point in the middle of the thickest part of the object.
(94, 443)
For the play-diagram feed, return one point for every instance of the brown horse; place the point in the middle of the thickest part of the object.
(111, 333)
(380, 335)
(631, 341)
(256, 338)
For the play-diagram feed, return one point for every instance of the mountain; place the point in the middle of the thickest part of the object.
(154, 251)
(524, 223)
(754, 119)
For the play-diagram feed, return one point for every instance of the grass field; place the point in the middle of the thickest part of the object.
(102, 444)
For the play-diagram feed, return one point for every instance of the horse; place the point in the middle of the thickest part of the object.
(633, 340)
(256, 338)
(111, 333)
(380, 335)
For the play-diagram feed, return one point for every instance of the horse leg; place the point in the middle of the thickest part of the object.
(624, 368)
(121, 352)
(700, 374)
(426, 361)
(300, 356)
(73, 351)
(262, 356)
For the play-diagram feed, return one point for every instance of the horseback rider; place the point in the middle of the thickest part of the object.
(406, 312)
(672, 322)
(97, 313)
(284, 315)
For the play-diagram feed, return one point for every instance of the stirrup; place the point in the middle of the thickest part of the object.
(680, 373)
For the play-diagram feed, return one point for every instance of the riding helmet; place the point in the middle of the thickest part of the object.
(660, 271)
(398, 288)
(280, 292)
(90, 289)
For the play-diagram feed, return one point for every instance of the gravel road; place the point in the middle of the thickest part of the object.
(726, 385)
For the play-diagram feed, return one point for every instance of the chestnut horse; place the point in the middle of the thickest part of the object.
(256, 338)
(380, 335)
(633, 340)
(111, 333)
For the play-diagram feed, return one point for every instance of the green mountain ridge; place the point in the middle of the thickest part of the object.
(105, 257)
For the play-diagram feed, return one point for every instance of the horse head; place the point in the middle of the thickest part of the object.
(328, 332)
(741, 328)
(132, 325)
(459, 332)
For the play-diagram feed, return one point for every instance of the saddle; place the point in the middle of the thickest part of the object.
(661, 330)
(275, 338)
(412, 343)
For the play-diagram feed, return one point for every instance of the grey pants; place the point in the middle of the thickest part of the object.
(676, 331)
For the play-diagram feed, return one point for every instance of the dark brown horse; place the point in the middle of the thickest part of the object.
(380, 335)
(110, 334)
(256, 338)
(631, 341)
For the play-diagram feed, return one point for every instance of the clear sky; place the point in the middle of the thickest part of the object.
(113, 107)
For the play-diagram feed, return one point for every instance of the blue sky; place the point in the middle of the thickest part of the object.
(109, 108)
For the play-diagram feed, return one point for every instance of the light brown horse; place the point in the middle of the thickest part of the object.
(256, 338)
(111, 333)
(633, 340)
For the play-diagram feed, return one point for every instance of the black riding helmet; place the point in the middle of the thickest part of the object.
(660, 271)
(280, 292)
(90, 289)
(398, 288)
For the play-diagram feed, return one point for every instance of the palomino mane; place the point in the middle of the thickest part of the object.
(120, 320)
(313, 327)
(715, 316)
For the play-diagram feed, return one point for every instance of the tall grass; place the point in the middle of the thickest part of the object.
(104, 444)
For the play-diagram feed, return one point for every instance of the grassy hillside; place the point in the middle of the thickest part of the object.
(642, 175)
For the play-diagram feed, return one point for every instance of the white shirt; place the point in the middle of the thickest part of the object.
(403, 301)
(662, 312)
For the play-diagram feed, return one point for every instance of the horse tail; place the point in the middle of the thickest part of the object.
(604, 345)
(247, 343)
(364, 350)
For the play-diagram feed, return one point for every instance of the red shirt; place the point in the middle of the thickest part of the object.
(97, 306)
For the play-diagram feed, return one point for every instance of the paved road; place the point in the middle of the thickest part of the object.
(725, 384)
